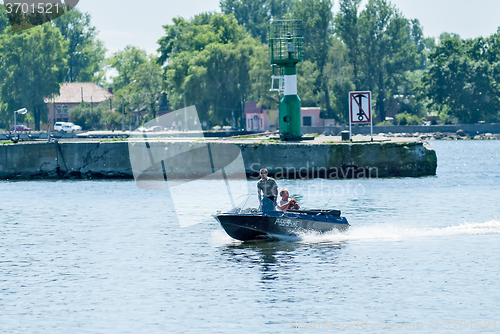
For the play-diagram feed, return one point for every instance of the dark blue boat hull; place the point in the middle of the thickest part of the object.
(247, 227)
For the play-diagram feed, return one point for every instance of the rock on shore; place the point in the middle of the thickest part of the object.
(459, 135)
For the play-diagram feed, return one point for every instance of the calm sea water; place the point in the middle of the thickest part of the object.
(421, 255)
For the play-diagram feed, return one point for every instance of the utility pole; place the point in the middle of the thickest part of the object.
(185, 114)
(123, 109)
(243, 122)
(20, 111)
(123, 113)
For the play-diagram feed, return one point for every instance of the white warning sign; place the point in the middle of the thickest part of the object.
(360, 107)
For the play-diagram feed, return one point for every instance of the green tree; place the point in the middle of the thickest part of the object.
(208, 61)
(111, 119)
(260, 78)
(4, 23)
(88, 118)
(96, 117)
(4, 116)
(384, 49)
(216, 80)
(410, 98)
(255, 15)
(148, 78)
(388, 51)
(463, 76)
(346, 27)
(196, 34)
(307, 78)
(86, 54)
(4, 20)
(32, 67)
(424, 46)
(20, 20)
(126, 63)
(317, 17)
(252, 14)
(339, 71)
(139, 79)
(405, 118)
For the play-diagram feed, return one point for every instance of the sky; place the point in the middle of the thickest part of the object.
(140, 23)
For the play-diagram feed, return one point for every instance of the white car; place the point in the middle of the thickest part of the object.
(69, 127)
(77, 127)
(155, 128)
(58, 126)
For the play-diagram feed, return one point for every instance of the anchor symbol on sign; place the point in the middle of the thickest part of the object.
(360, 113)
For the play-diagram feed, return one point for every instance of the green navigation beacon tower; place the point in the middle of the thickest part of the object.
(286, 45)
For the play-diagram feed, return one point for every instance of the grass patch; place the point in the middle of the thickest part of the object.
(270, 141)
(385, 123)
(113, 139)
(6, 142)
(191, 145)
(248, 137)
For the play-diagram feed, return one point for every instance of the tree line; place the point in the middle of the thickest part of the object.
(217, 61)
(35, 62)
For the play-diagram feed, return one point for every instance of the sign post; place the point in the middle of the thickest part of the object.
(360, 110)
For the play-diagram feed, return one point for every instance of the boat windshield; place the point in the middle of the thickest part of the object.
(250, 204)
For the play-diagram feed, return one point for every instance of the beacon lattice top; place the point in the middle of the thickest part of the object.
(285, 41)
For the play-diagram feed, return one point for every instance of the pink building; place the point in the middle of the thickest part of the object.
(259, 120)
(256, 118)
(71, 95)
(310, 117)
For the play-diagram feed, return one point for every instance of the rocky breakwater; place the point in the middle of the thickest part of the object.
(193, 159)
(459, 135)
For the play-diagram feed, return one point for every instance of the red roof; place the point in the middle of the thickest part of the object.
(71, 92)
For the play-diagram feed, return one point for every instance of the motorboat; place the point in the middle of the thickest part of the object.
(252, 220)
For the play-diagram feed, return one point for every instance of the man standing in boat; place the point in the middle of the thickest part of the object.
(267, 186)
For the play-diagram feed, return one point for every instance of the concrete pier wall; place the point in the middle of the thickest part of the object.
(64, 160)
(94, 160)
(342, 160)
